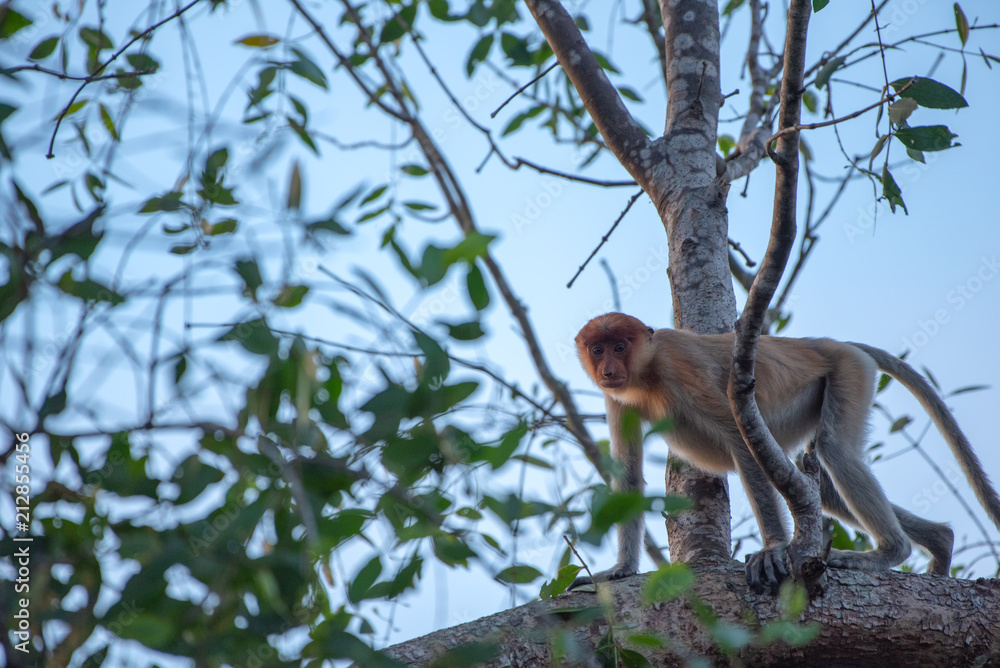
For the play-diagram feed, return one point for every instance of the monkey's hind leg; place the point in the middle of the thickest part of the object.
(938, 539)
(839, 441)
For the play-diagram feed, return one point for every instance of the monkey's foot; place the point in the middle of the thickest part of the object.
(767, 569)
(616, 573)
(872, 560)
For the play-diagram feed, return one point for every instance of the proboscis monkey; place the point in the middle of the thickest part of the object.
(808, 390)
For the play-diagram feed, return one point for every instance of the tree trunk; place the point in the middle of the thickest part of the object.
(888, 619)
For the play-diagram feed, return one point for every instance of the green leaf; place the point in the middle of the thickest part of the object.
(929, 93)
(303, 134)
(373, 195)
(497, 456)
(364, 580)
(109, 122)
(328, 225)
(631, 658)
(250, 273)
(152, 630)
(169, 202)
(54, 404)
(518, 120)
(183, 249)
(5, 111)
(562, 580)
(12, 293)
(926, 138)
(901, 109)
(732, 6)
(809, 100)
(440, 10)
(726, 144)
(605, 64)
(79, 239)
(227, 226)
(29, 208)
(294, 199)
(398, 25)
(291, 296)
(516, 48)
(968, 388)
(254, 335)
(474, 245)
(75, 107)
(436, 364)
(419, 206)
(478, 54)
(667, 583)
(879, 145)
(11, 21)
(610, 508)
(142, 62)
(88, 290)
(900, 424)
(473, 654)
(193, 476)
(467, 331)
(180, 369)
(307, 69)
(729, 637)
(518, 574)
(412, 170)
(831, 66)
(258, 41)
(891, 191)
(44, 49)
(789, 632)
(629, 94)
(962, 24)
(478, 294)
(452, 551)
(820, 4)
(95, 39)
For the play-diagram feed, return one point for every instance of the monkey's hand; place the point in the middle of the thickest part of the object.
(616, 573)
(768, 568)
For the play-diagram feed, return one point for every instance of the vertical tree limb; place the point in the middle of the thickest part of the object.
(801, 491)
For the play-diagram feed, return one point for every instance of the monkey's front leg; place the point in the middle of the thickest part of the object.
(629, 543)
(626, 448)
(769, 567)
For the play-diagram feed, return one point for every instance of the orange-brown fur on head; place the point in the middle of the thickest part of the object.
(613, 349)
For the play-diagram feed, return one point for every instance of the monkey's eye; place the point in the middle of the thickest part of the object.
(597, 350)
(620, 348)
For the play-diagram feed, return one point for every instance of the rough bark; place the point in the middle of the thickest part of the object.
(892, 618)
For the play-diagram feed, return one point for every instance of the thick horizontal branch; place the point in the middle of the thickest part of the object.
(918, 620)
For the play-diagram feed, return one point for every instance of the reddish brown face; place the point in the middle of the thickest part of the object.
(609, 359)
(606, 346)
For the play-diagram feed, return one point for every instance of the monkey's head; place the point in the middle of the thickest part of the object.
(613, 348)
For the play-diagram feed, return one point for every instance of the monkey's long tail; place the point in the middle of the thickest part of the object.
(945, 421)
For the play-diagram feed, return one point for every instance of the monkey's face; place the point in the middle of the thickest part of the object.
(609, 361)
(612, 348)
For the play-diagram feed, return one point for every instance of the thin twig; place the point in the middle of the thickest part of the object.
(525, 87)
(570, 177)
(100, 68)
(888, 97)
(605, 238)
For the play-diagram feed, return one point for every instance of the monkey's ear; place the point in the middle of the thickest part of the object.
(651, 330)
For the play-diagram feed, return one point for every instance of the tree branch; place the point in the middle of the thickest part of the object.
(801, 491)
(621, 133)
